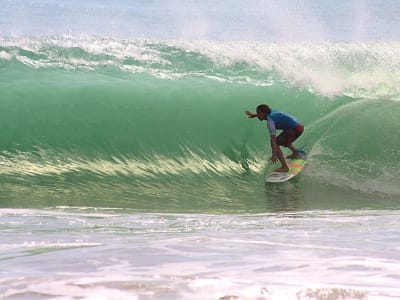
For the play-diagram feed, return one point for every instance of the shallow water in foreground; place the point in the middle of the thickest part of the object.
(74, 253)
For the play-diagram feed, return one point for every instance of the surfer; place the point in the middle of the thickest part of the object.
(291, 130)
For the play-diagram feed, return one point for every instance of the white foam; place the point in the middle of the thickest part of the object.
(357, 69)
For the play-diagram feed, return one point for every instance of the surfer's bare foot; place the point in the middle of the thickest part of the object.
(294, 155)
(282, 169)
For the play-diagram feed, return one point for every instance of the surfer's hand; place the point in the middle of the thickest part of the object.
(250, 114)
(274, 159)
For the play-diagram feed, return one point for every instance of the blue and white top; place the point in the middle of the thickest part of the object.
(279, 120)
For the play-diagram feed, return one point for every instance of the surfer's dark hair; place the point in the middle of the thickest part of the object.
(264, 108)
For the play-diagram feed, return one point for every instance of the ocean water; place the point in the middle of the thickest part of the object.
(128, 169)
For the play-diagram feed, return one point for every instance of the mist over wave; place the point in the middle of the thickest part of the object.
(254, 20)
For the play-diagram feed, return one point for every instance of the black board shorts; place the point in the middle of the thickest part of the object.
(289, 136)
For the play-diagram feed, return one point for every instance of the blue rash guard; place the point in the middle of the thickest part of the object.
(281, 121)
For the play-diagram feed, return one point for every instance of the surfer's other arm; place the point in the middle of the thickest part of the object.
(274, 148)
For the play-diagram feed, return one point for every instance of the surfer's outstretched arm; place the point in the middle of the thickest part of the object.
(250, 114)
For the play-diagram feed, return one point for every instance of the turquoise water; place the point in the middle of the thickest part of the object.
(166, 129)
(128, 169)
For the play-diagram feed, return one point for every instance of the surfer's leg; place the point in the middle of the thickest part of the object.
(292, 135)
(281, 140)
(295, 153)
(281, 157)
(285, 139)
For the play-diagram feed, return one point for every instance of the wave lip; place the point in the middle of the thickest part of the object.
(357, 69)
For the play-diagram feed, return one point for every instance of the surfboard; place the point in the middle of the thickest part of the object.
(295, 166)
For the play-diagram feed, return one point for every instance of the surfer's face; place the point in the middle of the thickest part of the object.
(261, 115)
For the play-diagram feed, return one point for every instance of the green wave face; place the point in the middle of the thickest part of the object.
(161, 124)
